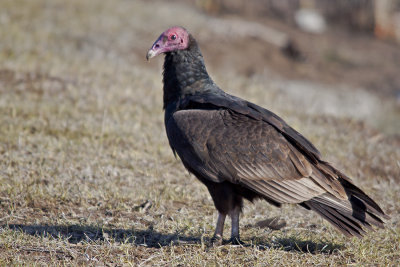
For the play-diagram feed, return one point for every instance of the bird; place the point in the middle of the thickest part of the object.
(242, 151)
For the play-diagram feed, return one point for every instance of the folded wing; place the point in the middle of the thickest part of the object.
(222, 145)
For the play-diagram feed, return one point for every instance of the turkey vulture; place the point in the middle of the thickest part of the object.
(241, 150)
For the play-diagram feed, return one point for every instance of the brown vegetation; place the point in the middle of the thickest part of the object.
(86, 173)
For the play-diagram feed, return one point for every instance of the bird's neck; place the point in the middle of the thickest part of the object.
(184, 73)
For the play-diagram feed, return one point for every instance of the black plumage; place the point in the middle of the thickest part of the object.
(242, 151)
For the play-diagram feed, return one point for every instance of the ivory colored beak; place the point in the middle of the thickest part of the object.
(150, 54)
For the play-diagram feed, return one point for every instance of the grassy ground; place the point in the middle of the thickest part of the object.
(86, 173)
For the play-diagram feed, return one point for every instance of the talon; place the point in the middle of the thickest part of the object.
(216, 240)
(236, 241)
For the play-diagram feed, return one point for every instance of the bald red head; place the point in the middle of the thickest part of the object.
(175, 38)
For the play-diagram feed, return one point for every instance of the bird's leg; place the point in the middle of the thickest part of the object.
(235, 238)
(219, 229)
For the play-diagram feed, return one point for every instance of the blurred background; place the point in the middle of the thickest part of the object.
(335, 57)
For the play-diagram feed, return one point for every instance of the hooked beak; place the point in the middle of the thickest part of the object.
(150, 54)
(156, 49)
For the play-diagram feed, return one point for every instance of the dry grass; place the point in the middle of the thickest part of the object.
(87, 176)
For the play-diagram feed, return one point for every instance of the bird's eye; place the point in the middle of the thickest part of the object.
(173, 37)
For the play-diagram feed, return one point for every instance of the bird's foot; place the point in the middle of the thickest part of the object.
(236, 241)
(216, 240)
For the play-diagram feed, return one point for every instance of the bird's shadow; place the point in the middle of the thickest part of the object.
(294, 244)
(153, 239)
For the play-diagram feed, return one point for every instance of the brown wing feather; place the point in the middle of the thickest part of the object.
(222, 145)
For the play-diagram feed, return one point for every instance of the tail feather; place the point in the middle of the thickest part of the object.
(352, 207)
(371, 205)
(351, 189)
(350, 216)
(345, 224)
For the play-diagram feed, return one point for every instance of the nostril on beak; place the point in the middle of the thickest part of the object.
(157, 46)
